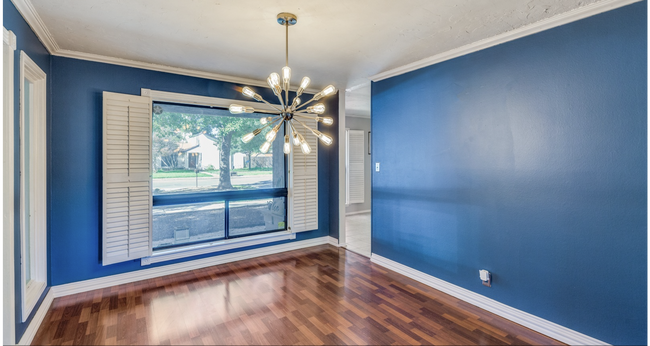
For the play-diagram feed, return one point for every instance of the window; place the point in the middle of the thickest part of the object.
(33, 168)
(209, 185)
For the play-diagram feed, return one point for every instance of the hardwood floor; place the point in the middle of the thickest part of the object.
(319, 295)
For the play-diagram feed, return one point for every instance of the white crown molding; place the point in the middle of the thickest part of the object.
(33, 326)
(156, 67)
(525, 319)
(32, 18)
(545, 24)
(164, 68)
(143, 274)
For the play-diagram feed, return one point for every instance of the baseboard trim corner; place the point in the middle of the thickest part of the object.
(31, 330)
(333, 241)
(150, 273)
(525, 319)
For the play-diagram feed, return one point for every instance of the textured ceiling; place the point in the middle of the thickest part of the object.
(337, 41)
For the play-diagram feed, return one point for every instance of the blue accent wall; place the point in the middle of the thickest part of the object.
(76, 212)
(527, 159)
(26, 41)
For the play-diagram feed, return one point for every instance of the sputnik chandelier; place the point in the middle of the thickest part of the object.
(287, 113)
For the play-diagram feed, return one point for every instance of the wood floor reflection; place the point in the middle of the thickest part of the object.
(320, 295)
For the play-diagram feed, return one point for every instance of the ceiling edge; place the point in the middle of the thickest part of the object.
(32, 18)
(539, 26)
(160, 68)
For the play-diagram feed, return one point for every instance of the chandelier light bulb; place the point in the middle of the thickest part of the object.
(264, 148)
(270, 136)
(329, 90)
(304, 83)
(238, 109)
(327, 140)
(296, 139)
(304, 146)
(274, 83)
(248, 92)
(265, 120)
(274, 80)
(287, 145)
(286, 77)
(326, 120)
(295, 103)
(247, 137)
(317, 108)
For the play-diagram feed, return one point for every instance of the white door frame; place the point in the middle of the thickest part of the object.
(33, 202)
(7, 202)
(342, 175)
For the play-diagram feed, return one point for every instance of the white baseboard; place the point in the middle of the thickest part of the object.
(358, 212)
(525, 319)
(119, 279)
(31, 330)
(334, 241)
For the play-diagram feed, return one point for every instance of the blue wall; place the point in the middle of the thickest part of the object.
(77, 160)
(26, 41)
(527, 159)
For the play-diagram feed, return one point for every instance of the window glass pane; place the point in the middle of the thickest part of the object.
(257, 216)
(199, 149)
(188, 223)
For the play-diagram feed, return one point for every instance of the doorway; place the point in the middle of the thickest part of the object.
(357, 160)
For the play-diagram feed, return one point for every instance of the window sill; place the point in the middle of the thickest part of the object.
(215, 246)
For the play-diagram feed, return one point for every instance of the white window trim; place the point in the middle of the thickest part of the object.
(215, 246)
(32, 292)
(164, 96)
(218, 245)
(7, 201)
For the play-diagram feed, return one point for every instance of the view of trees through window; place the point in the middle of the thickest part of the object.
(199, 150)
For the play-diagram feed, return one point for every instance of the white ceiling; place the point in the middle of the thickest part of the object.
(338, 42)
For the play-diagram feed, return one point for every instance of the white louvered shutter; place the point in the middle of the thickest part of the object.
(355, 160)
(126, 179)
(303, 185)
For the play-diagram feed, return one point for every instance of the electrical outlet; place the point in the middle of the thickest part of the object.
(377, 167)
(486, 277)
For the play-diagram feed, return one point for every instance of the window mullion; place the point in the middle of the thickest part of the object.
(227, 221)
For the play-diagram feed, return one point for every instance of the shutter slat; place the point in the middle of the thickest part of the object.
(127, 170)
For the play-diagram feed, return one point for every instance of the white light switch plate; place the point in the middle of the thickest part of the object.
(377, 167)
